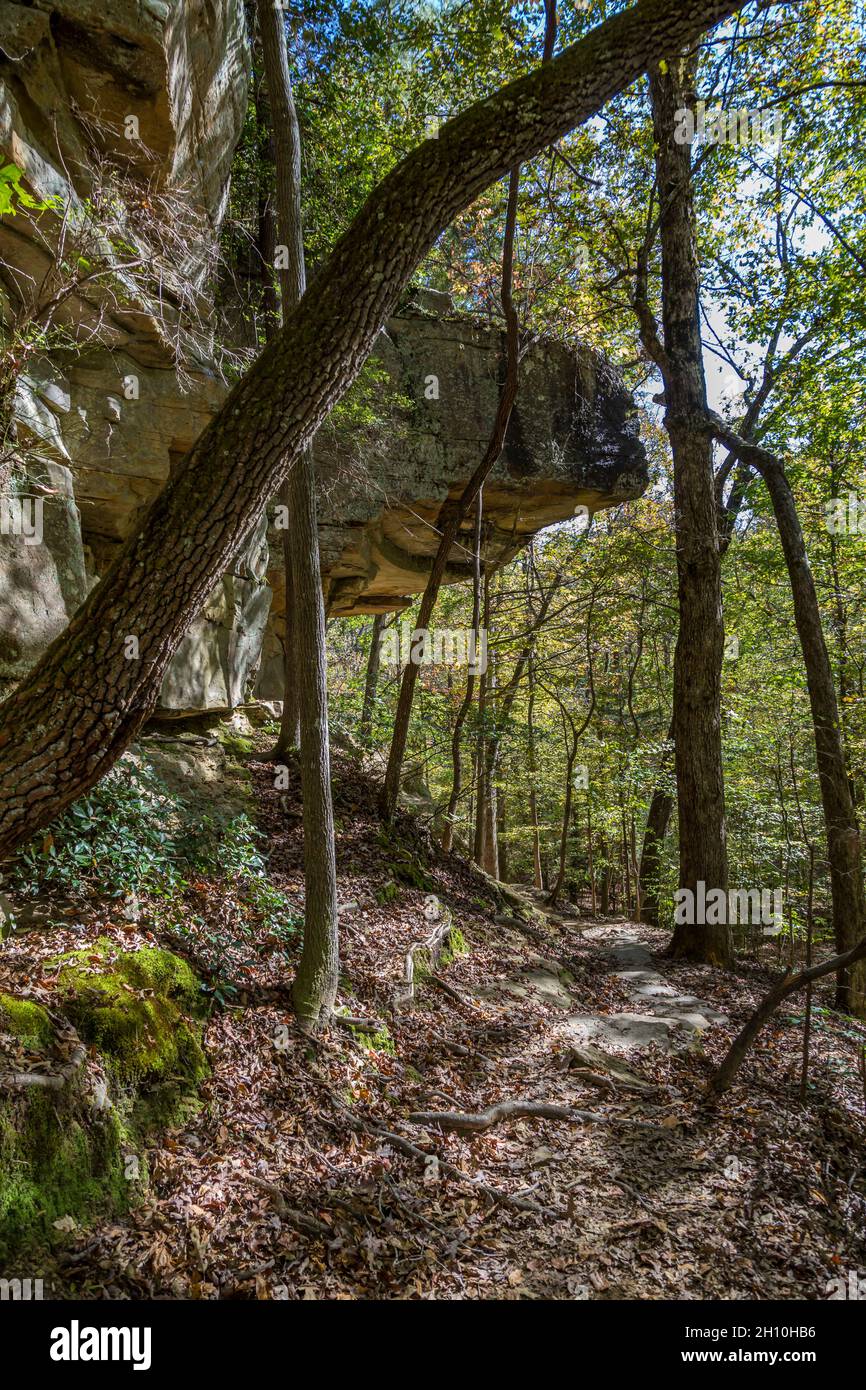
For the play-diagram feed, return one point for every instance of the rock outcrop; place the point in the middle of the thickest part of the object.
(103, 417)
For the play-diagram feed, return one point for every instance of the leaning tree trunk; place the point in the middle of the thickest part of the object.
(700, 643)
(844, 840)
(315, 987)
(85, 700)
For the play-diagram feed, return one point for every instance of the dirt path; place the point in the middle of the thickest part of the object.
(660, 1012)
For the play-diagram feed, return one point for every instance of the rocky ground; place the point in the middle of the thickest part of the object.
(319, 1170)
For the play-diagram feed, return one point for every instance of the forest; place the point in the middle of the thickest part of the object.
(433, 659)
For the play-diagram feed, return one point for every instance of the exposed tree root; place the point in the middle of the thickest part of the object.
(55, 1080)
(493, 1194)
(514, 1110)
(403, 995)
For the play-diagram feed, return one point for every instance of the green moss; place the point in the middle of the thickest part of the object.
(380, 1041)
(387, 893)
(59, 1157)
(66, 1152)
(455, 946)
(26, 1021)
(236, 744)
(131, 1007)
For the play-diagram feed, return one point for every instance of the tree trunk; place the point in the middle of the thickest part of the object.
(555, 891)
(289, 735)
(315, 987)
(537, 875)
(466, 704)
(700, 643)
(605, 878)
(485, 831)
(658, 819)
(371, 679)
(844, 841)
(590, 859)
(501, 841)
(87, 697)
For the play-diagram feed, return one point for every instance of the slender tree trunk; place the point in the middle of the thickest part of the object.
(590, 859)
(485, 832)
(501, 833)
(85, 700)
(605, 878)
(537, 875)
(844, 841)
(466, 703)
(289, 735)
(658, 819)
(315, 987)
(553, 896)
(371, 680)
(700, 643)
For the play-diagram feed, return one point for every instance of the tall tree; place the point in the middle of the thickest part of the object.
(371, 679)
(844, 840)
(701, 639)
(315, 986)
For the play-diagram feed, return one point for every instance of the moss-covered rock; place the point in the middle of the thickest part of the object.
(25, 1021)
(74, 1151)
(133, 1007)
(60, 1156)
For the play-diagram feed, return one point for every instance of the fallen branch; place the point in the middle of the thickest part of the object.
(786, 984)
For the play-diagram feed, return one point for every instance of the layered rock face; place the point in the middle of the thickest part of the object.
(104, 414)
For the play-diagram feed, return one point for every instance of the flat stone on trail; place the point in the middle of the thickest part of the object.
(628, 954)
(540, 983)
(596, 1059)
(658, 1013)
(621, 1030)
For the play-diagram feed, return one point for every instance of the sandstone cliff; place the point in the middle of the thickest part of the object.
(145, 101)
